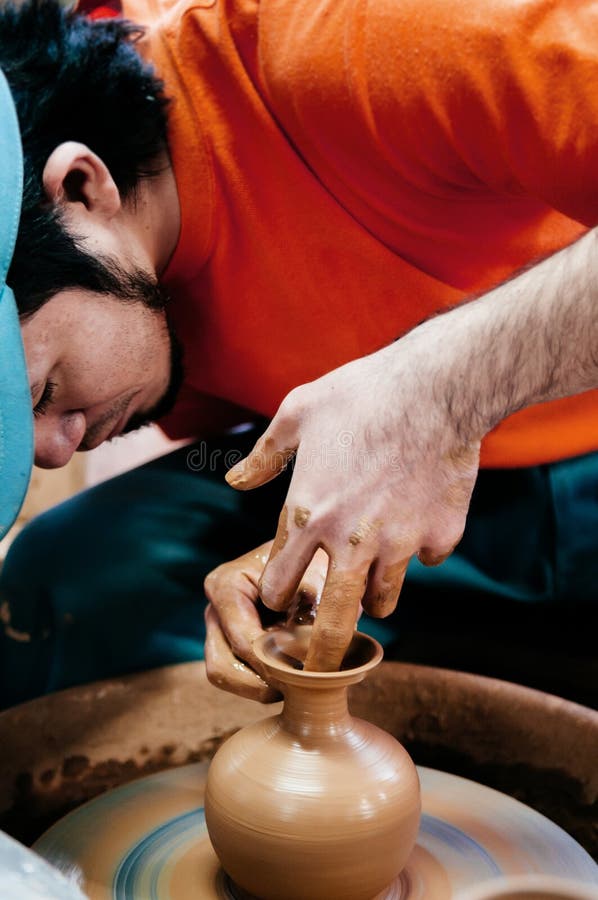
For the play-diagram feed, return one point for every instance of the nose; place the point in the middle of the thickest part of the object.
(57, 437)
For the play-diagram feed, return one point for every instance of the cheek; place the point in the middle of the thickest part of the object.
(154, 355)
(93, 379)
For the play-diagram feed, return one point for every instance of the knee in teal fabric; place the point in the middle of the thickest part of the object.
(103, 585)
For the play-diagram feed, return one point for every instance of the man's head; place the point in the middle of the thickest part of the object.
(84, 271)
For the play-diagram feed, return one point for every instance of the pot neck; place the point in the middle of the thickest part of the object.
(312, 711)
(316, 703)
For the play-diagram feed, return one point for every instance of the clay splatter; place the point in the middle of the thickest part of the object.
(282, 533)
(301, 517)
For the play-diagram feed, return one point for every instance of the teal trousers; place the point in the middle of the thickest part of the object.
(110, 582)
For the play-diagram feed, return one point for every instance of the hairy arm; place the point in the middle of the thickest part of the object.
(532, 339)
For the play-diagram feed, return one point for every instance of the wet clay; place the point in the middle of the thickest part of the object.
(262, 459)
(282, 533)
(365, 531)
(301, 516)
(329, 805)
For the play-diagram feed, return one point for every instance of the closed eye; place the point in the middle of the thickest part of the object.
(46, 398)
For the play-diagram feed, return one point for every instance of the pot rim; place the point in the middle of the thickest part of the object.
(363, 654)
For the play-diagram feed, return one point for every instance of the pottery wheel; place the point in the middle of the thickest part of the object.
(148, 840)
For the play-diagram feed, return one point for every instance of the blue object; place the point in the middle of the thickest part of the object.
(24, 875)
(16, 419)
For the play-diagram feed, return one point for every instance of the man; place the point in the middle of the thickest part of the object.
(330, 178)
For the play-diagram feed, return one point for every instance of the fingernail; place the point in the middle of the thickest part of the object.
(236, 475)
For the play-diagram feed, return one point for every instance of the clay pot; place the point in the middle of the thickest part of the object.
(531, 887)
(313, 804)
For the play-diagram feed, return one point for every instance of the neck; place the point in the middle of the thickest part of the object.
(158, 215)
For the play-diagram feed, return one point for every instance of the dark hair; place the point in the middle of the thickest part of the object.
(73, 78)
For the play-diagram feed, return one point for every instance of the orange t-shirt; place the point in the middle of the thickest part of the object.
(345, 169)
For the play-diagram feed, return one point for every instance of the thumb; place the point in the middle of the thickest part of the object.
(268, 458)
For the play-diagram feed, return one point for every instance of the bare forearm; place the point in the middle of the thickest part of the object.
(532, 339)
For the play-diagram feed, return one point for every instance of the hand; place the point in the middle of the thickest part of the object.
(381, 474)
(233, 621)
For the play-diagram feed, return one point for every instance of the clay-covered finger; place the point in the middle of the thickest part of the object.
(302, 609)
(270, 455)
(227, 672)
(384, 585)
(289, 559)
(336, 618)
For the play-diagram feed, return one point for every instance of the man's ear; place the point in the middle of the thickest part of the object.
(74, 174)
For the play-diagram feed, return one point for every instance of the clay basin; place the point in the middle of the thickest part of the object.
(63, 749)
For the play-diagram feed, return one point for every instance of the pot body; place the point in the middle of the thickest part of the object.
(313, 804)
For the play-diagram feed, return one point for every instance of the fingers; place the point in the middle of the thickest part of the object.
(385, 581)
(233, 624)
(226, 671)
(383, 587)
(302, 609)
(286, 565)
(335, 621)
(233, 602)
(271, 453)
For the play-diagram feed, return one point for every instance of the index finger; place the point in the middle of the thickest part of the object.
(336, 618)
(270, 455)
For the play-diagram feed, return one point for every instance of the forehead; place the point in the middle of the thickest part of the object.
(68, 326)
(74, 314)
